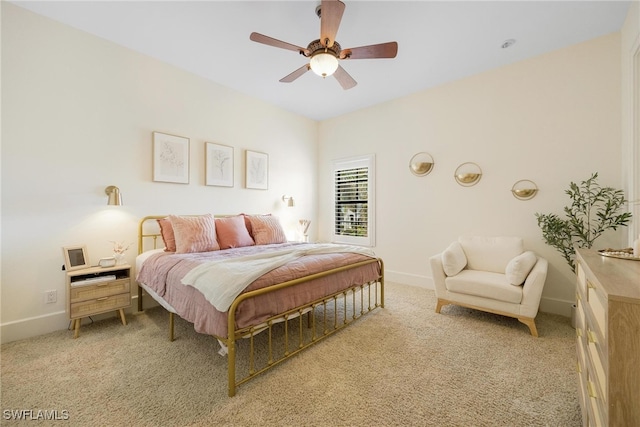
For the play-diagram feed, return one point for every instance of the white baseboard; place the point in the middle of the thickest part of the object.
(409, 279)
(33, 326)
(556, 306)
(39, 325)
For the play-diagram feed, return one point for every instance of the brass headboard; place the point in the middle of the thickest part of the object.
(148, 228)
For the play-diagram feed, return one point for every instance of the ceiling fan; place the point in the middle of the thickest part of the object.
(325, 52)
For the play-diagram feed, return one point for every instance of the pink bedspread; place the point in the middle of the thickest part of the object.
(163, 273)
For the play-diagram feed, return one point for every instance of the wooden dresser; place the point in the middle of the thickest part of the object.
(608, 339)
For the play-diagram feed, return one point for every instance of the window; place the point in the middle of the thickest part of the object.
(354, 206)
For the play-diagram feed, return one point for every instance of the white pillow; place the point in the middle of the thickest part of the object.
(453, 259)
(519, 267)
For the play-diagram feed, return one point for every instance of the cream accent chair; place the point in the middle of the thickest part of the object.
(493, 274)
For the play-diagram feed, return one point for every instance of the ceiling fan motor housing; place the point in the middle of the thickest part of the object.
(317, 47)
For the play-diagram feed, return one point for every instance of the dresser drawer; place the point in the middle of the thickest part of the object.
(597, 302)
(597, 373)
(596, 407)
(99, 290)
(100, 305)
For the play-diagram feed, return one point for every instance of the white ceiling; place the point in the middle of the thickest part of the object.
(438, 41)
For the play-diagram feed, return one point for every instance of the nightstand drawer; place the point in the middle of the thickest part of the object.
(99, 290)
(100, 305)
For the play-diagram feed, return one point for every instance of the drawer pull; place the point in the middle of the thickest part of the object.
(102, 299)
(103, 284)
(591, 390)
(590, 285)
(591, 337)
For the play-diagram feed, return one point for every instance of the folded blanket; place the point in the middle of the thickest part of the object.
(222, 281)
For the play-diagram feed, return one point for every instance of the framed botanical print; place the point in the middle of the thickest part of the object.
(170, 158)
(218, 165)
(256, 170)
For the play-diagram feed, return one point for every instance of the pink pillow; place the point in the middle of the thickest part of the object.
(195, 233)
(247, 222)
(166, 230)
(232, 232)
(267, 230)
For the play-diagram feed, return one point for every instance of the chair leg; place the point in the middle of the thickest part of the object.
(439, 304)
(531, 323)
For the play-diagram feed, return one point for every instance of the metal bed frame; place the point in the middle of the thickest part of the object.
(325, 316)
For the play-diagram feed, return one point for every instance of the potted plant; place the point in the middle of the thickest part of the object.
(593, 210)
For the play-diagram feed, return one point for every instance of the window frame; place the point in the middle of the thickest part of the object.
(355, 162)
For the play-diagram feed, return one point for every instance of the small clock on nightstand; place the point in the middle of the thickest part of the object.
(97, 290)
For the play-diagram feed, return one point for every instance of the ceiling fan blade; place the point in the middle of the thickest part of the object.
(270, 41)
(382, 50)
(330, 16)
(344, 78)
(297, 73)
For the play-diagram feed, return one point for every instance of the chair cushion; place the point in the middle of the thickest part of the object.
(519, 268)
(490, 253)
(484, 284)
(453, 259)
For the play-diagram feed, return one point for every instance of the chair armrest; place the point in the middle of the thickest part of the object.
(532, 288)
(437, 274)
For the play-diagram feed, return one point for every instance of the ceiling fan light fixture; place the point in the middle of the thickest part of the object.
(324, 63)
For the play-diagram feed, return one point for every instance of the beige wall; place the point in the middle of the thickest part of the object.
(78, 112)
(77, 116)
(552, 119)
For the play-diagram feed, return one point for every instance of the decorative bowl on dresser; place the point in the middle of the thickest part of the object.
(608, 339)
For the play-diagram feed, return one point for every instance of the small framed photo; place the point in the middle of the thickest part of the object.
(256, 170)
(75, 257)
(218, 165)
(170, 158)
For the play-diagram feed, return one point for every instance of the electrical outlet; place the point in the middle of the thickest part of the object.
(50, 297)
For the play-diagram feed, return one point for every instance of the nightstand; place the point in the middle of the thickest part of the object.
(97, 290)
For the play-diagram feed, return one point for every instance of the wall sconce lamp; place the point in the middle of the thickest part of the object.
(524, 189)
(115, 198)
(468, 174)
(288, 200)
(421, 164)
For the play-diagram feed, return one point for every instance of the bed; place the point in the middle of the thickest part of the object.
(246, 285)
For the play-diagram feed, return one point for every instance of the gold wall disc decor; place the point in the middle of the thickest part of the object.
(468, 174)
(421, 164)
(524, 189)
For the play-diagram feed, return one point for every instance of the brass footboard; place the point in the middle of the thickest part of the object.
(325, 316)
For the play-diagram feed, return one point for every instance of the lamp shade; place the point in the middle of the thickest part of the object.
(115, 198)
(323, 64)
(288, 200)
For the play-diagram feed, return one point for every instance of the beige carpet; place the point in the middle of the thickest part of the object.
(401, 365)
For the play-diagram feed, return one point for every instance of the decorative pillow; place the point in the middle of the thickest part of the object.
(166, 230)
(267, 230)
(486, 253)
(453, 259)
(247, 223)
(232, 232)
(519, 268)
(194, 233)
